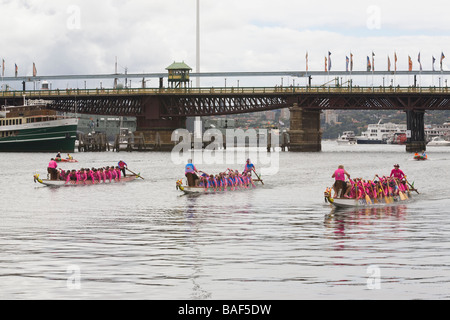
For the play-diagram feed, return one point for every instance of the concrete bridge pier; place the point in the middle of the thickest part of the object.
(304, 133)
(415, 123)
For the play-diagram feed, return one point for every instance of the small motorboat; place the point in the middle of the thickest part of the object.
(65, 160)
(420, 157)
(348, 137)
(438, 141)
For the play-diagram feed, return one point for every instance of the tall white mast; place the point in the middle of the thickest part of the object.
(198, 120)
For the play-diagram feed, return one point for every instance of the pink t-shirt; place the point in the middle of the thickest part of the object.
(339, 174)
(53, 164)
(397, 173)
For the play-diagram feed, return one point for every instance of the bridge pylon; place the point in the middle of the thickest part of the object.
(415, 125)
(304, 133)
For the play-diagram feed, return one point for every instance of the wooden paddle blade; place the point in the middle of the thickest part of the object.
(368, 199)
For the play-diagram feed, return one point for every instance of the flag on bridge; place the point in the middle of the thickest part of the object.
(346, 63)
(369, 66)
(433, 60)
(420, 63)
(442, 58)
(351, 62)
(3, 68)
(409, 63)
(373, 61)
(395, 61)
(389, 63)
(306, 57)
(34, 70)
(326, 64)
(329, 61)
(16, 70)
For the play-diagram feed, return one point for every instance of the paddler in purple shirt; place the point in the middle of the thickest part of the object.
(190, 171)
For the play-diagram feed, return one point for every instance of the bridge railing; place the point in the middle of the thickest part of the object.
(221, 90)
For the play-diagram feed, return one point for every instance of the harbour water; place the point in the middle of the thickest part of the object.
(144, 240)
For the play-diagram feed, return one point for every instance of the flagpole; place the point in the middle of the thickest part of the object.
(395, 67)
(432, 75)
(351, 67)
(3, 73)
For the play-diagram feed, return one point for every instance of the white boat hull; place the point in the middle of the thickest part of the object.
(62, 183)
(352, 203)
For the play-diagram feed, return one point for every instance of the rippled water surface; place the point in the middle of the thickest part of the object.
(143, 240)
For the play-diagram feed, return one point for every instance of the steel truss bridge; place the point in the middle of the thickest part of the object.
(189, 102)
(165, 109)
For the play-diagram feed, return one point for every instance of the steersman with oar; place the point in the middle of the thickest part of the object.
(249, 167)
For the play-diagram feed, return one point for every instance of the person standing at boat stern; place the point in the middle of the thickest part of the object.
(397, 173)
(122, 166)
(249, 167)
(51, 169)
(190, 172)
(340, 185)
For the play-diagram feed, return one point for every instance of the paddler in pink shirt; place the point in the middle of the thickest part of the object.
(118, 173)
(112, 172)
(72, 176)
(340, 185)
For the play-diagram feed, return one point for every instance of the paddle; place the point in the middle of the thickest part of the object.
(412, 187)
(389, 191)
(400, 192)
(380, 190)
(137, 175)
(368, 200)
(259, 178)
(374, 194)
(383, 196)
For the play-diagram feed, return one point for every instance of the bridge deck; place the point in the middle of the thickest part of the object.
(225, 90)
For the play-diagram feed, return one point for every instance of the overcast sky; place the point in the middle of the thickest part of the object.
(85, 36)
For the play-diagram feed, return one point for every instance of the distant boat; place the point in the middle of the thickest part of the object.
(348, 137)
(380, 133)
(438, 141)
(397, 138)
(35, 128)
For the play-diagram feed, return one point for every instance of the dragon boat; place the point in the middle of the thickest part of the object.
(62, 183)
(202, 190)
(366, 201)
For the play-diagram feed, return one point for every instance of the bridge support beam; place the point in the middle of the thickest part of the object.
(415, 123)
(304, 133)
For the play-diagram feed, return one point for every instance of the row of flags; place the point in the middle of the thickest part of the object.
(371, 62)
(16, 69)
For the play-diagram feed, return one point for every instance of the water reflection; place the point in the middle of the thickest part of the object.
(193, 229)
(341, 220)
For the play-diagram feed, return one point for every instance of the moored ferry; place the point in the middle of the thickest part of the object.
(34, 128)
(380, 133)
